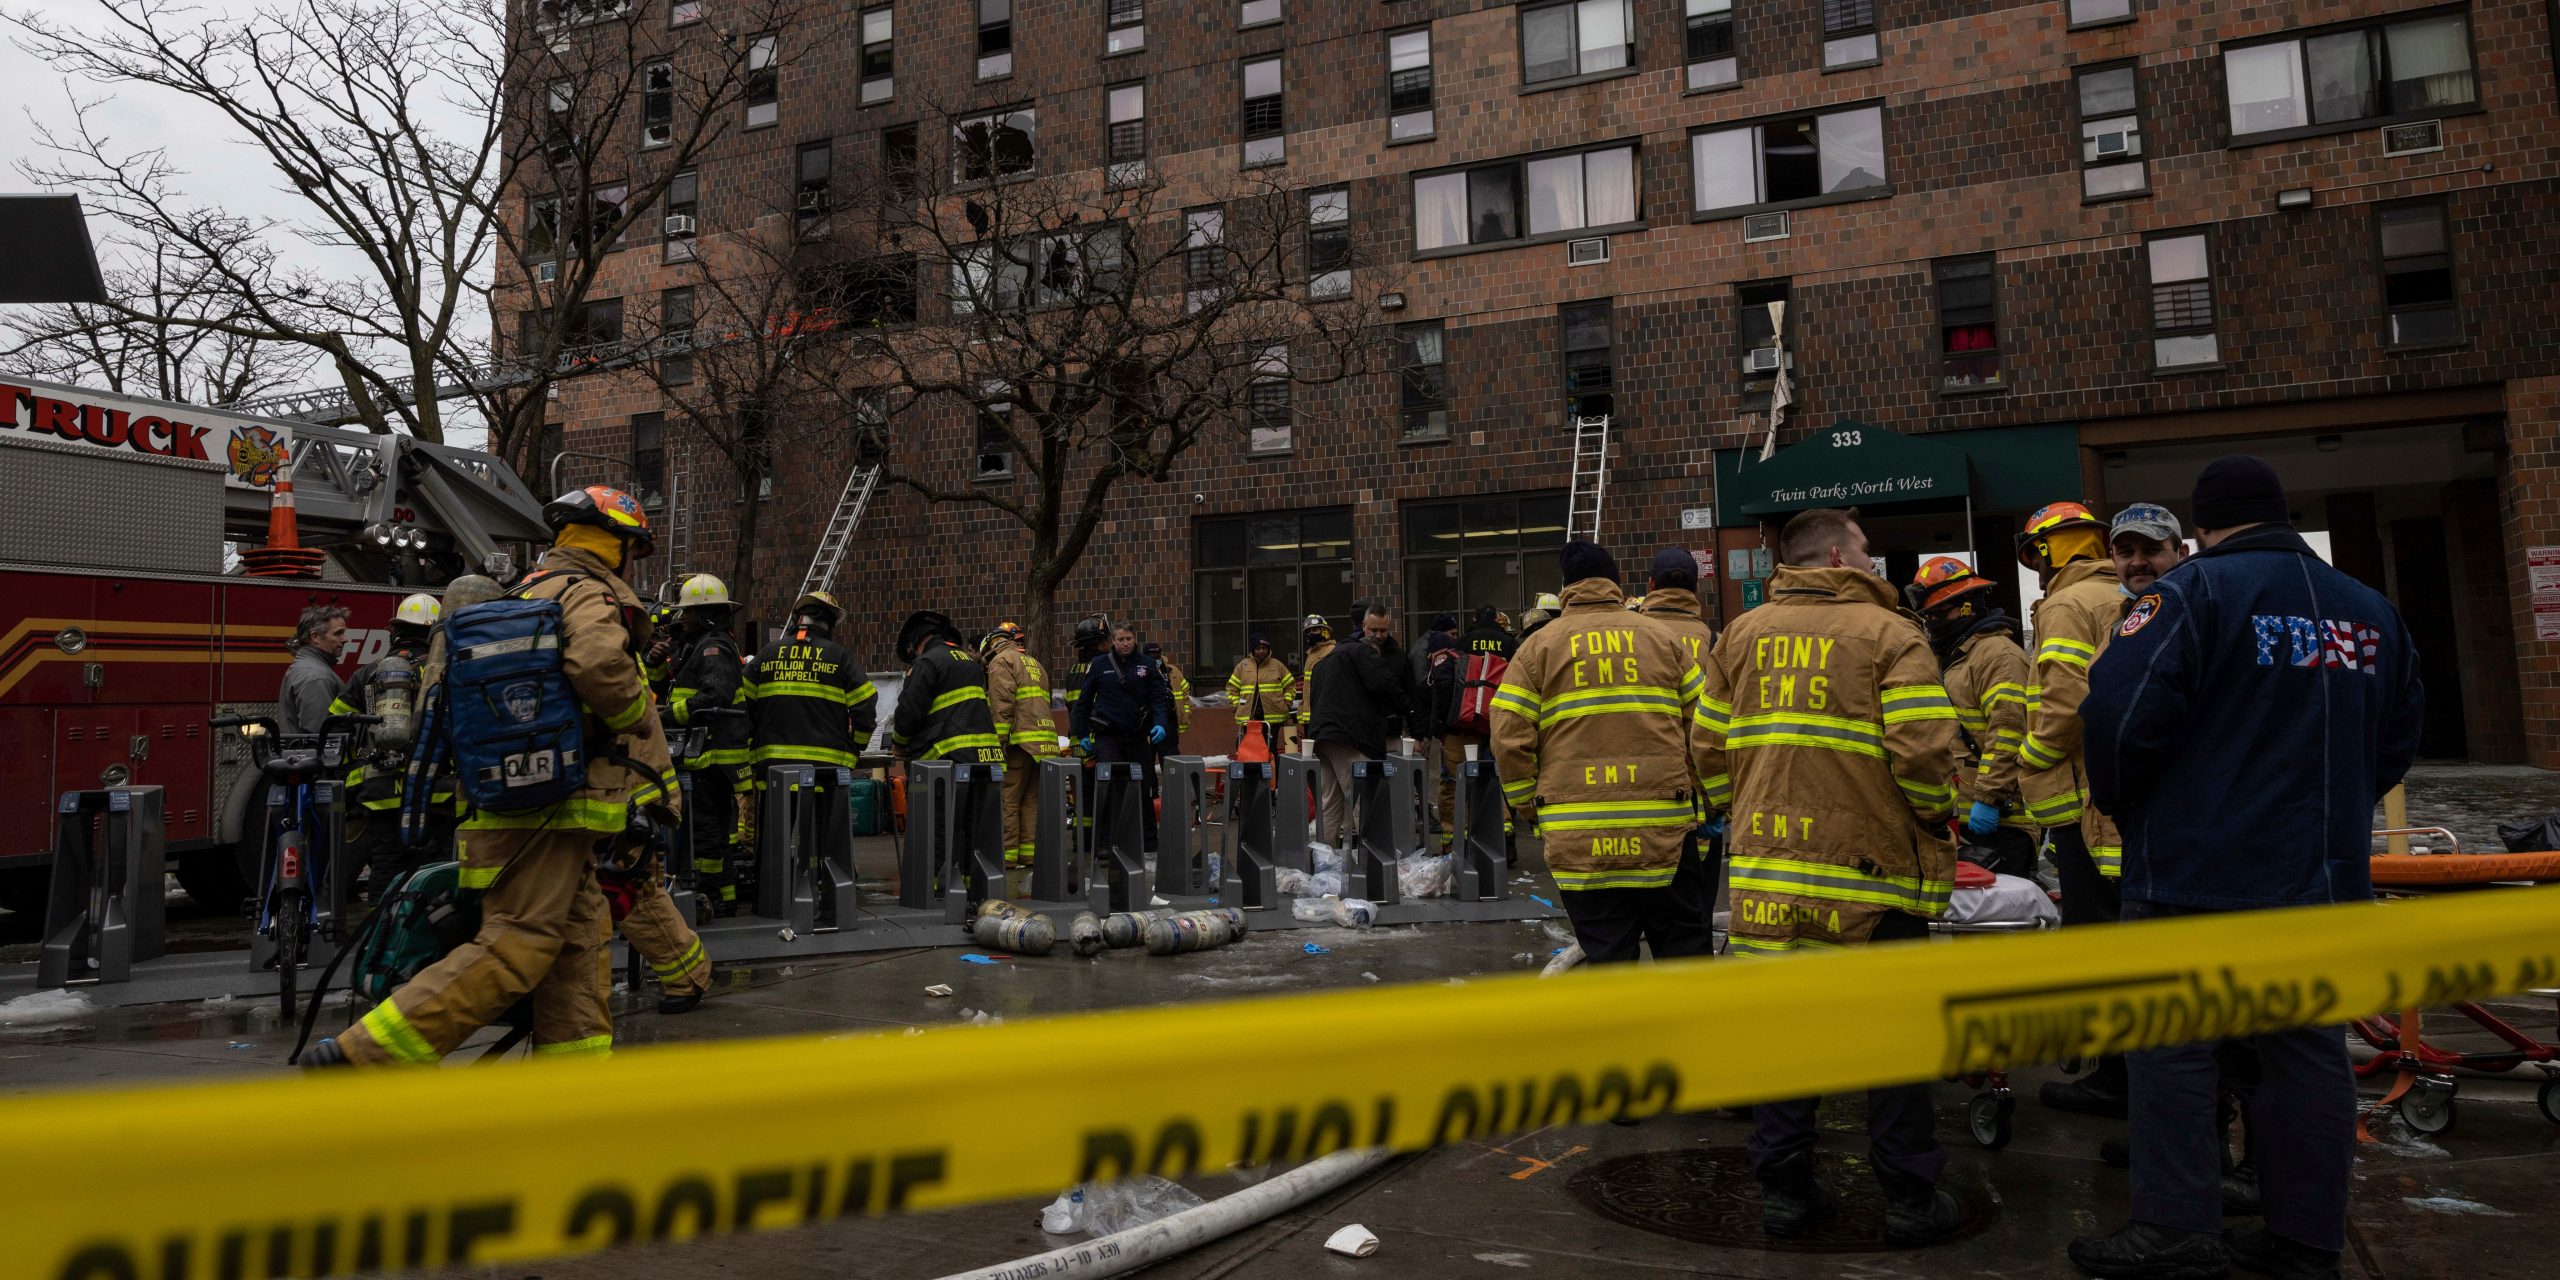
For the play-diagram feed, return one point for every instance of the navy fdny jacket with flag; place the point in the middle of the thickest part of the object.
(2243, 720)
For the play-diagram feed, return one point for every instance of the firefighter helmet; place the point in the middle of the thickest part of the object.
(606, 508)
(1316, 627)
(2050, 520)
(1091, 630)
(420, 610)
(702, 591)
(920, 626)
(1943, 580)
(1550, 602)
(818, 604)
(1635, 604)
(1004, 631)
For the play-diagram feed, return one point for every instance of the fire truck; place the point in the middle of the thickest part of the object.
(125, 623)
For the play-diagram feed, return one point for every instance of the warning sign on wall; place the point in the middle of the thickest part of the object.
(2543, 565)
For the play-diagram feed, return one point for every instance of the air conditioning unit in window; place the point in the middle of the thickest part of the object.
(1586, 252)
(657, 135)
(1765, 226)
(2115, 143)
(679, 224)
(2414, 138)
(546, 272)
(1761, 360)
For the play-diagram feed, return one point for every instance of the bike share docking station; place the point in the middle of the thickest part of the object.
(954, 850)
(1182, 828)
(1480, 856)
(804, 848)
(1061, 854)
(1390, 826)
(1118, 881)
(1266, 827)
(106, 907)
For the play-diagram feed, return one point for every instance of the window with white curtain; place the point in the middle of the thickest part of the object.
(1581, 38)
(2349, 76)
(1788, 161)
(1519, 199)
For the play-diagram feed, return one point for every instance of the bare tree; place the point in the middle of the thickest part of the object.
(420, 141)
(136, 347)
(1091, 332)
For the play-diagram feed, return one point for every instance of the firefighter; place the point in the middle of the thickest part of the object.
(1599, 742)
(1986, 676)
(374, 783)
(2067, 547)
(1178, 690)
(705, 674)
(544, 923)
(1485, 637)
(808, 700)
(1671, 600)
(1833, 742)
(1315, 643)
(1260, 689)
(1540, 613)
(942, 709)
(1018, 703)
(666, 640)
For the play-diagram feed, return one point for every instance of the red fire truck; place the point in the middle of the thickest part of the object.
(123, 629)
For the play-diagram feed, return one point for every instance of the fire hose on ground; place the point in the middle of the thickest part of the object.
(1182, 1232)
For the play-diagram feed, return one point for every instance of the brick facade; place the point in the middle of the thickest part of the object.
(1982, 156)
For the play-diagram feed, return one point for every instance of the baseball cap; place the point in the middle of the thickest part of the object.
(2149, 519)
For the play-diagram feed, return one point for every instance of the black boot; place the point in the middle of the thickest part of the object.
(2099, 1093)
(1792, 1202)
(672, 1003)
(2268, 1254)
(2141, 1251)
(2240, 1192)
(1924, 1217)
(324, 1053)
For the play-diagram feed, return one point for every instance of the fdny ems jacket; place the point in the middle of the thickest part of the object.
(1599, 733)
(2078, 609)
(1987, 679)
(1832, 745)
(809, 702)
(1018, 700)
(942, 709)
(2252, 707)
(627, 761)
(1316, 654)
(1120, 698)
(707, 675)
(1677, 609)
(1261, 690)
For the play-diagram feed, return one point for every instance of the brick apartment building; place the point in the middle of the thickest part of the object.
(2028, 252)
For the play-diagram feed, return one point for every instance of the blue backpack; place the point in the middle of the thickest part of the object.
(514, 725)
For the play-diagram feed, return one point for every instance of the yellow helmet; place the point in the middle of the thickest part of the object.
(817, 602)
(420, 610)
(1550, 602)
(1635, 604)
(702, 591)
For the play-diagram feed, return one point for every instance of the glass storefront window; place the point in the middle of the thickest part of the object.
(1498, 550)
(1265, 572)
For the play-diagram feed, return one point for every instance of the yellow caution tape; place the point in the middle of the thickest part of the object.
(383, 1170)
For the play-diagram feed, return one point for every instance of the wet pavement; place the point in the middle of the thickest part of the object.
(1669, 1197)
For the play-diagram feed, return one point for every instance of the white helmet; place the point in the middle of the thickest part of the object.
(703, 591)
(420, 610)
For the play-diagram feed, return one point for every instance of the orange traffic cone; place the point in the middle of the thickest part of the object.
(284, 556)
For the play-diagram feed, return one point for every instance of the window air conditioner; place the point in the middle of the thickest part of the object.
(657, 135)
(679, 224)
(2412, 138)
(1765, 226)
(1586, 252)
(546, 272)
(1761, 360)
(2111, 144)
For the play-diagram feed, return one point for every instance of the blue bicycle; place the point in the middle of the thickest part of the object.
(292, 883)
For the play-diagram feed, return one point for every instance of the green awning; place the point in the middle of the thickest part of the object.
(1849, 464)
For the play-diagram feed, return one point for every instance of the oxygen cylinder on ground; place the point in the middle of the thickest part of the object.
(1129, 928)
(1003, 909)
(1193, 931)
(1026, 934)
(1085, 934)
(393, 695)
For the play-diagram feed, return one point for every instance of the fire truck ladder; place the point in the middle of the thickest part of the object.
(858, 487)
(1590, 479)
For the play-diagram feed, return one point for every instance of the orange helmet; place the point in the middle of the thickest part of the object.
(2050, 520)
(1942, 580)
(606, 508)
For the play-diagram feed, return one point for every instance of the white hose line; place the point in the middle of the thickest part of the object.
(1163, 1238)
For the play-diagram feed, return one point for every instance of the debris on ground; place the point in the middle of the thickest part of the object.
(1355, 1241)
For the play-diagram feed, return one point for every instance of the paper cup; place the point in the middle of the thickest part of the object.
(1353, 1241)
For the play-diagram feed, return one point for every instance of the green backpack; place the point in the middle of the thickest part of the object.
(425, 914)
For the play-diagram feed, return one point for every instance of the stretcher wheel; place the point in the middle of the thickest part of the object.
(2548, 1098)
(1989, 1116)
(2428, 1106)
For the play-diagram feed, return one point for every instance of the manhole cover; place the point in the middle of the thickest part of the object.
(1709, 1197)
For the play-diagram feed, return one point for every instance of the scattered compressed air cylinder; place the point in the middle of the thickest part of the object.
(1194, 931)
(1021, 933)
(1002, 909)
(1085, 934)
(1129, 928)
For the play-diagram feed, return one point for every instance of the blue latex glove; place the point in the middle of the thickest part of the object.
(1984, 820)
(1711, 828)
(1085, 744)
(1155, 735)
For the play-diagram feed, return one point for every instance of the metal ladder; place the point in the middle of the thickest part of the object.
(849, 507)
(1590, 479)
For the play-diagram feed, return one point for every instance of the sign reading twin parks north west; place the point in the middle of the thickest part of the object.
(1852, 463)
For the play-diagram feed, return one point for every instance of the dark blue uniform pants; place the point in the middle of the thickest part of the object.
(1679, 920)
(2302, 1115)
(1902, 1130)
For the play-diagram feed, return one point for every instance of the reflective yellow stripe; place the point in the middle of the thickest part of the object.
(966, 693)
(471, 877)
(1917, 695)
(629, 715)
(2004, 691)
(1835, 733)
(765, 753)
(1718, 790)
(1517, 700)
(1938, 795)
(592, 1045)
(721, 756)
(962, 742)
(1777, 946)
(393, 1034)
(1030, 693)
(1600, 702)
(1520, 791)
(677, 967)
(2110, 860)
(1613, 815)
(806, 689)
(2035, 753)
(1629, 878)
(1973, 721)
(2058, 811)
(1833, 882)
(2060, 649)
(573, 814)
